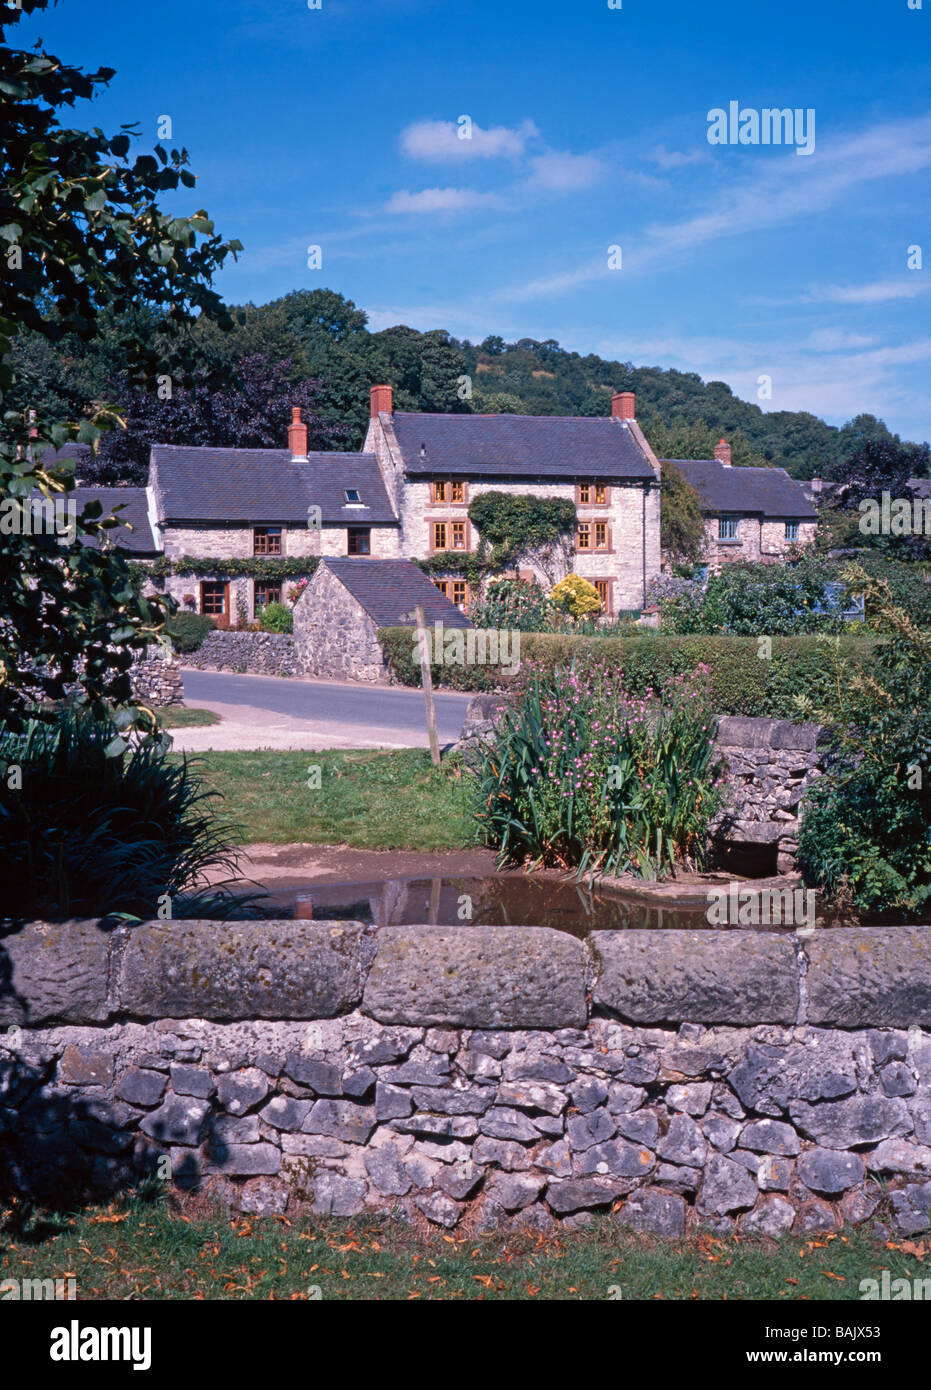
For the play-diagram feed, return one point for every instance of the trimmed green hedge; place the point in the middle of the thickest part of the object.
(742, 682)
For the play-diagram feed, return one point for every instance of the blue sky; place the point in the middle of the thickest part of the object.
(338, 127)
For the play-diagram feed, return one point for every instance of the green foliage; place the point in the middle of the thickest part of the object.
(87, 246)
(255, 567)
(576, 596)
(675, 438)
(742, 681)
(511, 526)
(584, 774)
(188, 630)
(277, 617)
(865, 836)
(755, 600)
(512, 603)
(682, 532)
(89, 832)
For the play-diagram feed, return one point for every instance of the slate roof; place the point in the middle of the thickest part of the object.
(266, 486)
(388, 590)
(529, 446)
(130, 505)
(767, 491)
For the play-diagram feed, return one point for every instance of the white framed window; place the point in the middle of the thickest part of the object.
(791, 530)
(728, 528)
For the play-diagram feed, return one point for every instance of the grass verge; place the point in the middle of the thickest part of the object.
(180, 717)
(366, 799)
(152, 1253)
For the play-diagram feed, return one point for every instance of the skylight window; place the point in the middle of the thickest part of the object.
(352, 495)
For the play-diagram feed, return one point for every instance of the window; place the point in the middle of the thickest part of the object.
(352, 496)
(439, 535)
(601, 494)
(457, 590)
(604, 593)
(583, 539)
(359, 540)
(791, 530)
(585, 494)
(266, 540)
(446, 490)
(593, 494)
(266, 592)
(458, 535)
(213, 598)
(728, 528)
(601, 535)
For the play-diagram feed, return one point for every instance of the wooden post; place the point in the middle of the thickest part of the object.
(427, 679)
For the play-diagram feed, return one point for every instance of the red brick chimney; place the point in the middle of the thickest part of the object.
(722, 452)
(297, 434)
(623, 405)
(381, 401)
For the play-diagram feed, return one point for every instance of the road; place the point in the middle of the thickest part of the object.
(271, 712)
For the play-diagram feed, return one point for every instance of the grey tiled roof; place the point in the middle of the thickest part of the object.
(130, 505)
(528, 446)
(260, 486)
(767, 491)
(389, 589)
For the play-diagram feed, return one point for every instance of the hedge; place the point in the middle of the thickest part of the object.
(742, 682)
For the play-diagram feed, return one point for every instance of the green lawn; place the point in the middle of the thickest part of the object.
(148, 1252)
(180, 717)
(369, 800)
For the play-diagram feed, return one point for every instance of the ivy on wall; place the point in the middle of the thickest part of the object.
(509, 528)
(270, 567)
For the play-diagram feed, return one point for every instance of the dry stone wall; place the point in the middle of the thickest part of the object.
(252, 653)
(476, 1077)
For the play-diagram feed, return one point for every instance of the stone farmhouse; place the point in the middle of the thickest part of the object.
(215, 514)
(749, 513)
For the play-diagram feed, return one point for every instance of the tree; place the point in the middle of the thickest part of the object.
(878, 465)
(682, 532)
(81, 234)
(251, 412)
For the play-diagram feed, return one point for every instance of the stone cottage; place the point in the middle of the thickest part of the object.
(748, 513)
(434, 466)
(337, 617)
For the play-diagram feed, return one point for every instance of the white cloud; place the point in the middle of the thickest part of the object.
(558, 171)
(440, 141)
(674, 159)
(837, 340)
(878, 292)
(440, 200)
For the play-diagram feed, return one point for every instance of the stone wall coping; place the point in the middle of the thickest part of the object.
(463, 976)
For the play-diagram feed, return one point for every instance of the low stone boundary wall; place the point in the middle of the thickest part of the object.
(156, 679)
(482, 1076)
(771, 764)
(245, 653)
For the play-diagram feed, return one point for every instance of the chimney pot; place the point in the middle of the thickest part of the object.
(623, 405)
(297, 434)
(381, 403)
(722, 452)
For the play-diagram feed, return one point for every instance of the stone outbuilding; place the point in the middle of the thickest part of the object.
(336, 619)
